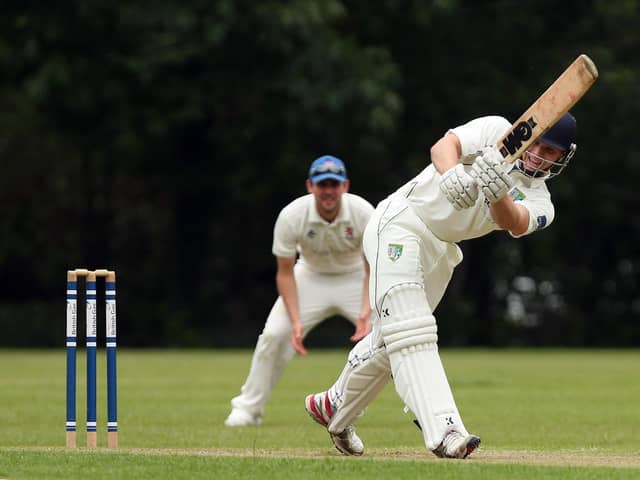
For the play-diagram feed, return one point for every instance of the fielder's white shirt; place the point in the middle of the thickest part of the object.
(324, 247)
(451, 225)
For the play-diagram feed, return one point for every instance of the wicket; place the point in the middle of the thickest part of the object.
(92, 334)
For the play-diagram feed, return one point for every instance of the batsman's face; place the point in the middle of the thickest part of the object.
(328, 194)
(540, 157)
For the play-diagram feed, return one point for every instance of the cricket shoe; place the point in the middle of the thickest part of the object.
(319, 408)
(242, 418)
(456, 445)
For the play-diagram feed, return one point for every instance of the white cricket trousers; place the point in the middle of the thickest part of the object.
(320, 296)
(400, 250)
(396, 231)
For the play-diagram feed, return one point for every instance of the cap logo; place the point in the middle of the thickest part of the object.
(328, 167)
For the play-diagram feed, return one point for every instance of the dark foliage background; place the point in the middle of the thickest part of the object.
(161, 139)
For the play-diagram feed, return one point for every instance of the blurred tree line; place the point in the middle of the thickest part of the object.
(161, 139)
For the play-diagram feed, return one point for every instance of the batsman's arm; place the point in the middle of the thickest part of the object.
(446, 152)
(510, 216)
(288, 290)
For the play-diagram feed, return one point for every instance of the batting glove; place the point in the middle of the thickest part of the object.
(459, 187)
(489, 173)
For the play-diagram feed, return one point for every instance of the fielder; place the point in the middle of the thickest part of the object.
(411, 245)
(330, 277)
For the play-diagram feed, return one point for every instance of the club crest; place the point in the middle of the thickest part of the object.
(348, 232)
(394, 251)
(517, 195)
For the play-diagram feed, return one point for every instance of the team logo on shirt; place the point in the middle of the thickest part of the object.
(311, 233)
(517, 194)
(348, 232)
(541, 221)
(394, 251)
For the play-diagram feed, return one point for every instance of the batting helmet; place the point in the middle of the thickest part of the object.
(562, 135)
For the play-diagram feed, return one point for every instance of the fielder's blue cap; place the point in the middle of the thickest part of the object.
(327, 167)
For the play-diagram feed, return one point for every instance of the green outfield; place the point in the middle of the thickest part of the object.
(565, 414)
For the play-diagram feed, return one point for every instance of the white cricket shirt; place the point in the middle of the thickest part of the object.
(324, 247)
(451, 225)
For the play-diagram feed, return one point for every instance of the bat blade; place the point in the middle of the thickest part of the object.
(557, 100)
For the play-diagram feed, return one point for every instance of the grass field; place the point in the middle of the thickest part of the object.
(571, 414)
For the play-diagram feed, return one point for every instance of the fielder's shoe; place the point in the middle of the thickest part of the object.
(456, 445)
(242, 418)
(319, 408)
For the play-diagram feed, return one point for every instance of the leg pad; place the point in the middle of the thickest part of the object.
(409, 332)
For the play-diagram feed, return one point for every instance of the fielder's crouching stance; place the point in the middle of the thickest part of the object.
(411, 246)
(321, 273)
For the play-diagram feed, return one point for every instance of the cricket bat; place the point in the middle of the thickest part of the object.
(557, 100)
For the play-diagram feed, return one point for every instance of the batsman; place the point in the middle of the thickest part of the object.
(411, 244)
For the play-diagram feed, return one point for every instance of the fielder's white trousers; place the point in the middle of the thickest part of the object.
(320, 296)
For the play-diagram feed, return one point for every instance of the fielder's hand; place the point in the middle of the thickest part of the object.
(459, 187)
(363, 325)
(488, 171)
(296, 339)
